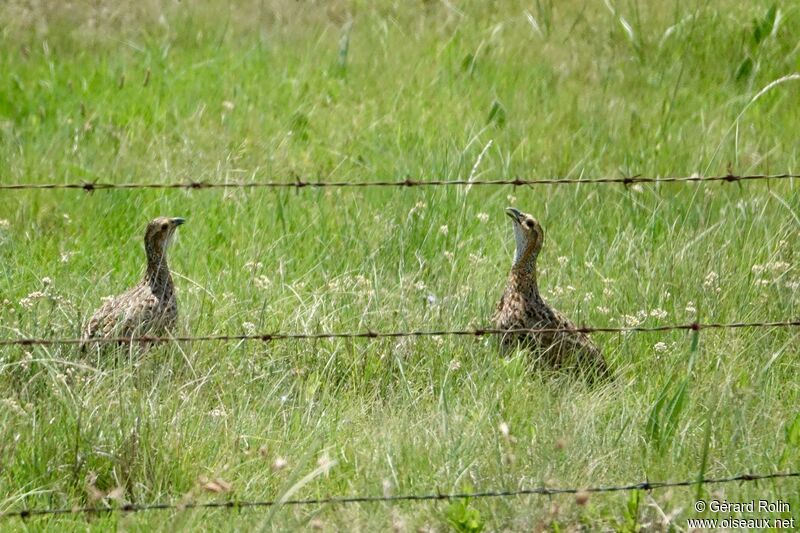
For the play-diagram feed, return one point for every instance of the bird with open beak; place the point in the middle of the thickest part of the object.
(522, 308)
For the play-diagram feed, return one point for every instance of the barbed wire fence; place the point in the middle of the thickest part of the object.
(475, 332)
(299, 183)
(427, 497)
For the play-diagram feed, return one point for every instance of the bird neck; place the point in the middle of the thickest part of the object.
(523, 276)
(158, 275)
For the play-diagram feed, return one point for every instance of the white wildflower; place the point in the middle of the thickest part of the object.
(630, 321)
(711, 279)
(588, 297)
(228, 105)
(690, 308)
(249, 327)
(483, 217)
(511, 199)
(778, 266)
(503, 427)
(417, 208)
(444, 229)
(603, 310)
(420, 285)
(4, 224)
(47, 281)
(449, 256)
(660, 347)
(262, 282)
(476, 258)
(29, 301)
(658, 313)
(563, 260)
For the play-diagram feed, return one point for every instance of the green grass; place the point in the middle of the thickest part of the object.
(379, 90)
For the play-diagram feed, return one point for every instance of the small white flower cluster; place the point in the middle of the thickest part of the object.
(711, 279)
(476, 258)
(775, 268)
(30, 300)
(772, 266)
(483, 218)
(417, 209)
(663, 347)
(262, 282)
(252, 266)
(631, 321)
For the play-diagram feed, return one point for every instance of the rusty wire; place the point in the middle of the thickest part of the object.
(408, 182)
(341, 500)
(478, 332)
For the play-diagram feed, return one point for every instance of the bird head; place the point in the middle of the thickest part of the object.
(529, 237)
(159, 233)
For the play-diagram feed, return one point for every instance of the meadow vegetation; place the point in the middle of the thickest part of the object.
(278, 89)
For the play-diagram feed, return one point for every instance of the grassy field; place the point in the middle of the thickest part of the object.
(387, 90)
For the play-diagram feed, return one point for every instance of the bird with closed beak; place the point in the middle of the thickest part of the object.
(149, 308)
(522, 308)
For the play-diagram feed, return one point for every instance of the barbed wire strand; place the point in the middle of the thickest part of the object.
(278, 336)
(340, 500)
(408, 182)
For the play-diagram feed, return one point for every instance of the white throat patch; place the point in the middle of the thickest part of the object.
(521, 240)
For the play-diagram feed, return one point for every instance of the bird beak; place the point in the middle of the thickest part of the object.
(514, 213)
(178, 221)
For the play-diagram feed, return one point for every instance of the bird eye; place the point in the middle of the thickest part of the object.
(528, 224)
(164, 225)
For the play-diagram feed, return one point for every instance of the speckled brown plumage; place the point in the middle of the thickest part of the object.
(522, 307)
(150, 307)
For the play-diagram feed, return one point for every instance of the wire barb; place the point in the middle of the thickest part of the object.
(298, 183)
(370, 334)
(435, 496)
